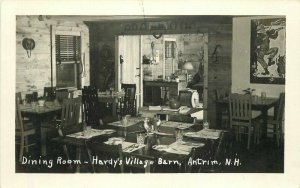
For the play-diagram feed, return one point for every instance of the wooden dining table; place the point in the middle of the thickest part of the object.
(258, 104)
(168, 113)
(165, 136)
(39, 114)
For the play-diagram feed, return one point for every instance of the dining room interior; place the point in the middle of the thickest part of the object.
(150, 94)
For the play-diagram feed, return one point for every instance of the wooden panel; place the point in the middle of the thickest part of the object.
(219, 74)
(32, 30)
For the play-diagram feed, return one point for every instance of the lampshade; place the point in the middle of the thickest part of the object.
(188, 66)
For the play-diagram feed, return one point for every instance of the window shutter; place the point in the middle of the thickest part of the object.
(67, 48)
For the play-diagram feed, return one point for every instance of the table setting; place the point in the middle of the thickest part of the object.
(127, 146)
(40, 106)
(178, 147)
(179, 125)
(204, 133)
(89, 133)
(127, 121)
(153, 126)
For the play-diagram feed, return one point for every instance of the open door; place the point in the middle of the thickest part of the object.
(129, 66)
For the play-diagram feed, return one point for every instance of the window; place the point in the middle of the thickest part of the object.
(68, 60)
(170, 49)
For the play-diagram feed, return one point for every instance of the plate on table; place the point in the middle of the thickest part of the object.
(109, 131)
(116, 140)
(211, 130)
(189, 134)
(182, 126)
(160, 147)
(191, 144)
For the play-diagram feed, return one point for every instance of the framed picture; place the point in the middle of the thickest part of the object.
(268, 51)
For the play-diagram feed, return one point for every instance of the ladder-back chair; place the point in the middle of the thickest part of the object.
(277, 119)
(90, 103)
(128, 102)
(49, 93)
(240, 111)
(23, 131)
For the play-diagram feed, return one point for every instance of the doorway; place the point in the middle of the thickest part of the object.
(144, 57)
(128, 66)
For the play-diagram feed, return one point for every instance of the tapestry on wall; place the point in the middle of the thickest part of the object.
(268, 51)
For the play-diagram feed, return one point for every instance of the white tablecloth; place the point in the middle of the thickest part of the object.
(91, 133)
(205, 133)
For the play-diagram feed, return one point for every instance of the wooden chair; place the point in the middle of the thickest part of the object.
(128, 102)
(69, 122)
(23, 131)
(31, 97)
(19, 98)
(277, 120)
(90, 103)
(196, 153)
(61, 95)
(224, 113)
(240, 111)
(49, 93)
(107, 152)
(213, 150)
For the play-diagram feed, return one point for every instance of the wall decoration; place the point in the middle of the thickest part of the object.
(268, 51)
(28, 44)
(159, 28)
(216, 54)
(106, 52)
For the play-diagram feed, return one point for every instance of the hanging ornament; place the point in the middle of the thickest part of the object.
(28, 44)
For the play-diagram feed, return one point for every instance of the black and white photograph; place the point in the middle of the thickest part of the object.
(135, 84)
(112, 94)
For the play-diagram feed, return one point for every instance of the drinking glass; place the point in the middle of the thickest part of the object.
(140, 138)
(124, 121)
(205, 125)
(24, 102)
(255, 98)
(179, 135)
(88, 130)
(263, 96)
(33, 105)
(111, 91)
(41, 102)
(56, 102)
